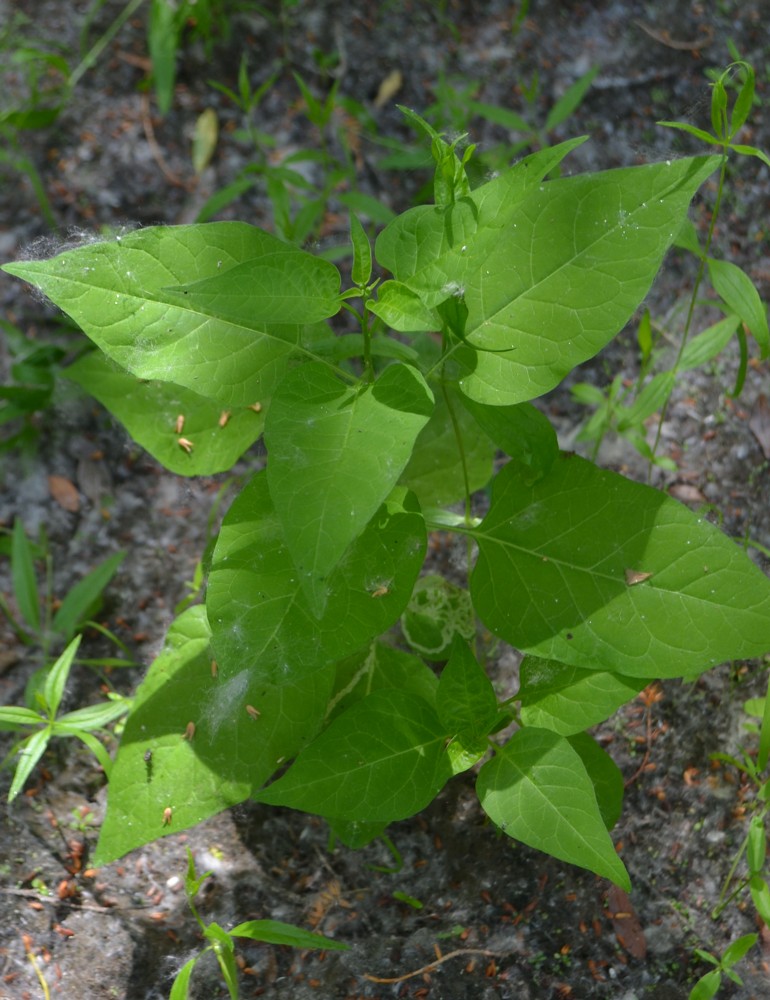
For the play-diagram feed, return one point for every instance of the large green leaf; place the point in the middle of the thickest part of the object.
(380, 761)
(567, 699)
(227, 757)
(282, 286)
(126, 296)
(377, 668)
(605, 775)
(521, 431)
(549, 281)
(591, 569)
(259, 612)
(440, 462)
(465, 701)
(213, 438)
(336, 452)
(537, 790)
(416, 245)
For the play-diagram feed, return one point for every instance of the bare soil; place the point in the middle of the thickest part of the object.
(496, 919)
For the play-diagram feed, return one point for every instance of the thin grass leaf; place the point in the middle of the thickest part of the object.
(30, 752)
(179, 990)
(23, 577)
(278, 932)
(82, 600)
(55, 682)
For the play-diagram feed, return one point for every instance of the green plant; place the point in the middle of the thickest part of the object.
(40, 621)
(626, 408)
(33, 371)
(300, 186)
(752, 851)
(456, 108)
(210, 335)
(708, 985)
(34, 91)
(167, 22)
(222, 944)
(45, 724)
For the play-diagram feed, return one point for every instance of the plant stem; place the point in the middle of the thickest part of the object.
(367, 335)
(693, 299)
(101, 44)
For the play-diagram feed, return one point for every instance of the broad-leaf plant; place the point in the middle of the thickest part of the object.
(289, 685)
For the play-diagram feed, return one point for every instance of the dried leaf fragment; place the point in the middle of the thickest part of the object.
(389, 87)
(687, 493)
(625, 923)
(204, 139)
(64, 493)
(634, 576)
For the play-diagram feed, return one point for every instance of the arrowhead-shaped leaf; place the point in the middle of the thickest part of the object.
(465, 701)
(336, 452)
(259, 613)
(227, 756)
(521, 431)
(537, 790)
(380, 761)
(567, 699)
(421, 246)
(549, 281)
(377, 668)
(438, 467)
(286, 285)
(149, 411)
(605, 776)
(591, 569)
(126, 296)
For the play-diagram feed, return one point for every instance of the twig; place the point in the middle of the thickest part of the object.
(55, 901)
(433, 965)
(664, 37)
(149, 132)
(27, 941)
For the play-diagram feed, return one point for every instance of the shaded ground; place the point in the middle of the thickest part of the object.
(523, 926)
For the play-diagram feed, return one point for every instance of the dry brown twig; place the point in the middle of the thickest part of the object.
(433, 965)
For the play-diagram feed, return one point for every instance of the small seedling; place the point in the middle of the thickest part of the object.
(30, 390)
(222, 942)
(45, 724)
(39, 621)
(709, 984)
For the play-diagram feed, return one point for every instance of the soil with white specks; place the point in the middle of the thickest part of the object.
(507, 921)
